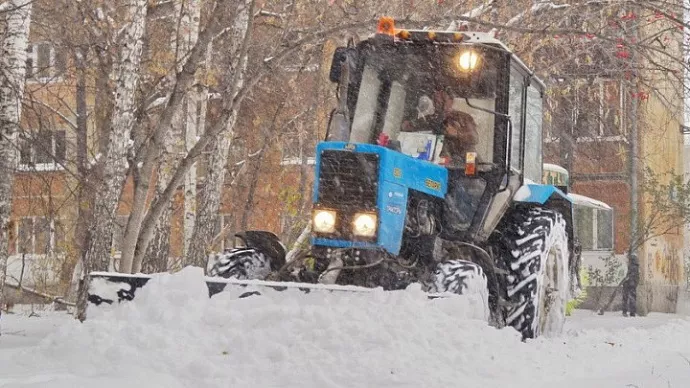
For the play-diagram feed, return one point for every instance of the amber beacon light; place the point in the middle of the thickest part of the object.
(386, 26)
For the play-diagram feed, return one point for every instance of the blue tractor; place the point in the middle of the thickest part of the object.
(402, 196)
(429, 174)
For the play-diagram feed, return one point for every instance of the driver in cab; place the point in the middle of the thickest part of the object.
(460, 137)
(459, 128)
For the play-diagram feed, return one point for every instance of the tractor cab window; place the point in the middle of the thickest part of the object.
(533, 134)
(516, 104)
(422, 97)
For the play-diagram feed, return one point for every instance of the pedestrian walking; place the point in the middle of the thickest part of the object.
(632, 279)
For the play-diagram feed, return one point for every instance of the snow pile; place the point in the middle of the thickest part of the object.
(173, 335)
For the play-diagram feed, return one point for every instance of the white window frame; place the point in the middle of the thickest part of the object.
(548, 135)
(600, 136)
(595, 228)
(51, 166)
(52, 72)
(622, 100)
(297, 161)
(289, 159)
(51, 236)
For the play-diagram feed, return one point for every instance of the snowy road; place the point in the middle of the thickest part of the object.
(183, 339)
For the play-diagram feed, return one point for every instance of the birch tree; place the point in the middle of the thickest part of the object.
(236, 85)
(126, 77)
(184, 79)
(15, 40)
(157, 253)
(187, 19)
(204, 228)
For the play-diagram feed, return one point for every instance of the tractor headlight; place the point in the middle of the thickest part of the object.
(468, 60)
(324, 221)
(364, 224)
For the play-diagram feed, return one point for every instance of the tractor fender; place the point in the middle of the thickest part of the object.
(539, 194)
(550, 197)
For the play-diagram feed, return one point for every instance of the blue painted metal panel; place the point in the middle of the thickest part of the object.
(327, 242)
(395, 167)
(392, 206)
(415, 174)
(542, 193)
(398, 173)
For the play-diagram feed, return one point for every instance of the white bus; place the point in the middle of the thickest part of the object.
(594, 224)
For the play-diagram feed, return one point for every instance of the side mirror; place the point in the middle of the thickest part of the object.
(339, 57)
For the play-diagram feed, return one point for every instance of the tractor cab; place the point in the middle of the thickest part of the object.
(432, 99)
(460, 100)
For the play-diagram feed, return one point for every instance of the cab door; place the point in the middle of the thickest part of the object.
(516, 110)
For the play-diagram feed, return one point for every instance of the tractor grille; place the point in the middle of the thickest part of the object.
(348, 179)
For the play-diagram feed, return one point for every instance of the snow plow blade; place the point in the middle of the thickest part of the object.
(110, 287)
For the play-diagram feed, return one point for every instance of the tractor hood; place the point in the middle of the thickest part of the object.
(353, 179)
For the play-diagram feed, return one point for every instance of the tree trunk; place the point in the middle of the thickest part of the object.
(126, 74)
(301, 244)
(91, 176)
(211, 193)
(237, 93)
(82, 190)
(249, 203)
(191, 133)
(155, 257)
(184, 79)
(12, 74)
(205, 225)
(190, 178)
(181, 44)
(157, 254)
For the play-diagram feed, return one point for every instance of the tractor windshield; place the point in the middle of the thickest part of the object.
(419, 93)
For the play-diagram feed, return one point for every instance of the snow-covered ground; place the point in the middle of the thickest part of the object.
(172, 335)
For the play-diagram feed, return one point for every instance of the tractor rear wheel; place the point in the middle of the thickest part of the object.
(534, 252)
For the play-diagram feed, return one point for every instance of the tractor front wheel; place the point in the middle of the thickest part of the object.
(458, 277)
(240, 263)
(463, 278)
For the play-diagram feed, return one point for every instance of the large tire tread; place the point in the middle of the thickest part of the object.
(525, 239)
(241, 264)
(458, 277)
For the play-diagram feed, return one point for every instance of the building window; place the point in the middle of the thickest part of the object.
(599, 110)
(601, 115)
(588, 110)
(39, 236)
(44, 62)
(604, 229)
(43, 151)
(594, 228)
(298, 147)
(297, 161)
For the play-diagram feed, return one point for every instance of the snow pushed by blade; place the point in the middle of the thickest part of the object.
(173, 335)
